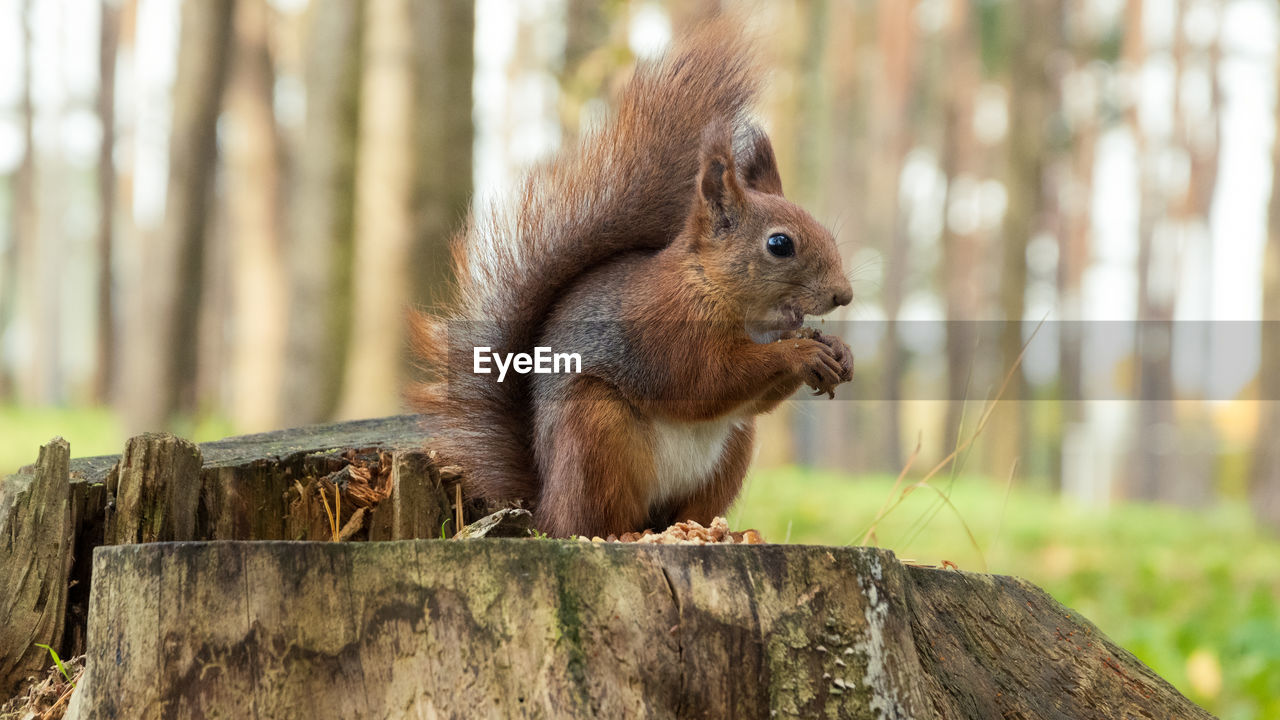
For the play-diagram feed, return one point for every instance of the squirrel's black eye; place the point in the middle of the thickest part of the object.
(780, 246)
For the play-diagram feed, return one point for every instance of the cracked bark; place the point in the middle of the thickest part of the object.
(502, 628)
(35, 562)
(676, 633)
(54, 513)
(528, 628)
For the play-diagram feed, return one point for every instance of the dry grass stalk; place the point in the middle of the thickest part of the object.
(891, 504)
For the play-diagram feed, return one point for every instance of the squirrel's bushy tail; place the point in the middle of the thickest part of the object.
(627, 186)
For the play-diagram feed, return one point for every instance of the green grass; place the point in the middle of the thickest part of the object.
(1195, 595)
(93, 431)
(90, 431)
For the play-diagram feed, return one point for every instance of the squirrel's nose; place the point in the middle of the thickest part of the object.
(842, 297)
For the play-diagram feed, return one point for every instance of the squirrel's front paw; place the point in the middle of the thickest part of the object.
(816, 364)
(842, 352)
(837, 357)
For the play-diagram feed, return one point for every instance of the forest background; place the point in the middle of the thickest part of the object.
(214, 213)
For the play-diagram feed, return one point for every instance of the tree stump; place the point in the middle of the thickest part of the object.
(539, 628)
(375, 475)
(35, 562)
(155, 488)
(203, 620)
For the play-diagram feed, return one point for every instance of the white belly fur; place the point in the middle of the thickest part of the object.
(685, 455)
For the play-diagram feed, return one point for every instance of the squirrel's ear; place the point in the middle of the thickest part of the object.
(756, 163)
(717, 181)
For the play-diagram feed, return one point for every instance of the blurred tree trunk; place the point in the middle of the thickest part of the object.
(1075, 192)
(43, 383)
(104, 347)
(1141, 483)
(1265, 476)
(1030, 95)
(323, 218)
(125, 234)
(846, 128)
(891, 133)
(258, 290)
(164, 361)
(20, 261)
(959, 268)
(1160, 472)
(811, 106)
(384, 213)
(444, 65)
(1188, 479)
(849, 31)
(1153, 455)
(211, 389)
(593, 52)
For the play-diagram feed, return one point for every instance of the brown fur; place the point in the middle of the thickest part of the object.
(656, 225)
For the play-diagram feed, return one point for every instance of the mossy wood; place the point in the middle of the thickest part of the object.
(493, 627)
(539, 628)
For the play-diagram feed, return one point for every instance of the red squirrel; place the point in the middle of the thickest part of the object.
(662, 251)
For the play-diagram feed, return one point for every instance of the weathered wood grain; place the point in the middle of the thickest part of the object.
(537, 628)
(998, 646)
(490, 628)
(156, 488)
(164, 488)
(36, 542)
(397, 432)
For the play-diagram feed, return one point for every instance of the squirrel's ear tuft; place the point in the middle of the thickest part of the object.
(757, 164)
(717, 181)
